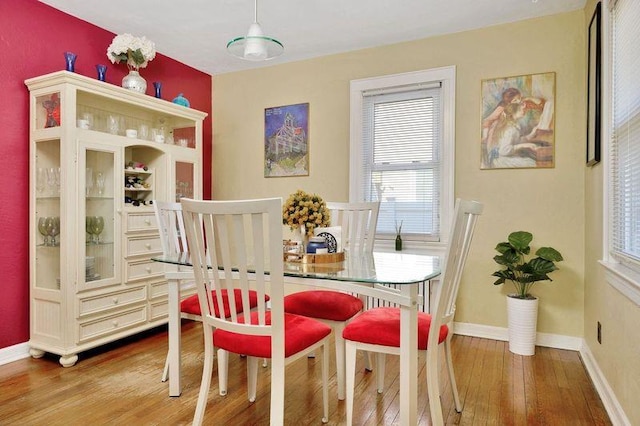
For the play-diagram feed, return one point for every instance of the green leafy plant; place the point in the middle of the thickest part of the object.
(521, 272)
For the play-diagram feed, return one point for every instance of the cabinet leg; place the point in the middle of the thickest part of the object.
(69, 360)
(36, 353)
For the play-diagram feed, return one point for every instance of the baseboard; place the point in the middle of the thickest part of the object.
(609, 400)
(14, 353)
(557, 341)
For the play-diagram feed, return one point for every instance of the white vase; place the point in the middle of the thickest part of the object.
(522, 319)
(133, 81)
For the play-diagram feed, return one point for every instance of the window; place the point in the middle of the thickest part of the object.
(624, 148)
(402, 151)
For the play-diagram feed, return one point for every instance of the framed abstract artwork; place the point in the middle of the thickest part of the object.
(594, 89)
(518, 121)
(286, 141)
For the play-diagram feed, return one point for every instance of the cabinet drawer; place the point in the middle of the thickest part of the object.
(143, 245)
(137, 270)
(141, 222)
(161, 288)
(112, 323)
(89, 305)
(158, 289)
(158, 310)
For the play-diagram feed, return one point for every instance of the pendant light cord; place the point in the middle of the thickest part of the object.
(255, 14)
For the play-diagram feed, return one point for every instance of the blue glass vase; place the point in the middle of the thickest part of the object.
(70, 61)
(157, 85)
(102, 71)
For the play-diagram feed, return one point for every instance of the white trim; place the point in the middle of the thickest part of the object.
(446, 75)
(556, 341)
(14, 353)
(608, 397)
(605, 133)
(623, 279)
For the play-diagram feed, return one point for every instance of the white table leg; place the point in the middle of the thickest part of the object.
(175, 366)
(409, 357)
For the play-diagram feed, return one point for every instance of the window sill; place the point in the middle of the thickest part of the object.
(411, 247)
(623, 279)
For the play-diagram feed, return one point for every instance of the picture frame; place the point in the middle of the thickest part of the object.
(286, 140)
(518, 122)
(594, 88)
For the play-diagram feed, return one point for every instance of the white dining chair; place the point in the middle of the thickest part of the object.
(377, 330)
(233, 244)
(358, 222)
(174, 241)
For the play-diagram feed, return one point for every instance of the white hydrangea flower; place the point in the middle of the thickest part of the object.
(136, 51)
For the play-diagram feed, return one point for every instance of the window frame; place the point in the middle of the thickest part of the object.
(447, 77)
(625, 277)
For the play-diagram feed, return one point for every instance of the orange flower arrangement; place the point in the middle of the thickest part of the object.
(303, 209)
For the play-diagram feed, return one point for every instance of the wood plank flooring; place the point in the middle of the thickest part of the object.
(119, 384)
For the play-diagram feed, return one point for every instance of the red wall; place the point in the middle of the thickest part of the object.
(33, 37)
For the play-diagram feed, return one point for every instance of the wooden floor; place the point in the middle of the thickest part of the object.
(120, 385)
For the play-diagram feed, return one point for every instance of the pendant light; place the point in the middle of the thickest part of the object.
(255, 46)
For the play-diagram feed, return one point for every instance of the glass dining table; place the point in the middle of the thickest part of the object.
(390, 278)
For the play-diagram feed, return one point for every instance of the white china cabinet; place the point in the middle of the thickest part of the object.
(99, 156)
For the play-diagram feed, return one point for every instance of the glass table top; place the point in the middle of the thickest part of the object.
(376, 268)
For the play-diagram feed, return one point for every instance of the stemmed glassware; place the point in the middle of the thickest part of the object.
(49, 228)
(42, 228)
(88, 225)
(56, 179)
(98, 227)
(51, 180)
(100, 180)
(41, 178)
(88, 180)
(94, 226)
(55, 230)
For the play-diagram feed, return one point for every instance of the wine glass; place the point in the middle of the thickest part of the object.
(97, 226)
(55, 230)
(100, 180)
(42, 228)
(56, 179)
(88, 180)
(49, 225)
(51, 180)
(88, 224)
(41, 178)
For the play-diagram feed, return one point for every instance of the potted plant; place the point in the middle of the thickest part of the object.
(522, 307)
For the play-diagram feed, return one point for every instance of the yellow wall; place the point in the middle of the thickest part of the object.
(547, 202)
(618, 355)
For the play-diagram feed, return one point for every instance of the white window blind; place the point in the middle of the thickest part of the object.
(625, 143)
(401, 159)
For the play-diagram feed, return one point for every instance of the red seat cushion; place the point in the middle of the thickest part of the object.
(191, 305)
(299, 333)
(381, 326)
(329, 305)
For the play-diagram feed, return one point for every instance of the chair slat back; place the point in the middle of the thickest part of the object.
(465, 216)
(171, 227)
(358, 222)
(234, 244)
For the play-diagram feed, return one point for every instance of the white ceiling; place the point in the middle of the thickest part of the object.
(196, 32)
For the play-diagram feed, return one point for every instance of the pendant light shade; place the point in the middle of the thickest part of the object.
(255, 46)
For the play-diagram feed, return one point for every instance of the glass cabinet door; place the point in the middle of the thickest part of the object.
(99, 227)
(185, 181)
(47, 214)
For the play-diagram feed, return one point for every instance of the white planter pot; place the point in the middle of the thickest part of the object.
(522, 318)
